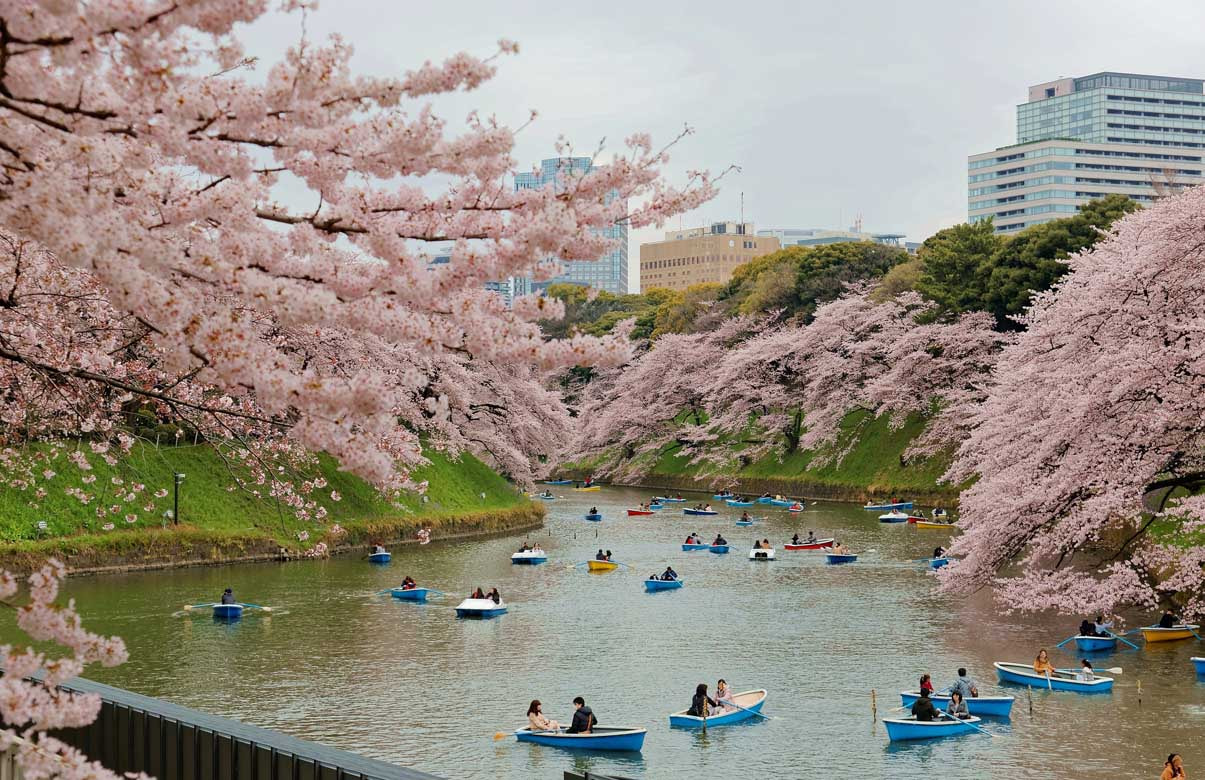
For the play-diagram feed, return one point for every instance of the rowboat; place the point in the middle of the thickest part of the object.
(719, 549)
(602, 565)
(751, 701)
(796, 508)
(937, 563)
(1199, 663)
(699, 512)
(594, 517)
(529, 557)
(591, 489)
(598, 739)
(896, 505)
(765, 500)
(1157, 634)
(744, 522)
(758, 554)
(927, 524)
(380, 557)
(632, 512)
(781, 502)
(689, 547)
(546, 498)
(835, 558)
(893, 517)
(819, 544)
(1095, 643)
(656, 507)
(1023, 674)
(410, 594)
(479, 608)
(668, 500)
(722, 496)
(656, 585)
(733, 502)
(558, 482)
(996, 706)
(899, 729)
(914, 519)
(227, 611)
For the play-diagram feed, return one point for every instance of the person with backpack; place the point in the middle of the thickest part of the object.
(964, 685)
(583, 717)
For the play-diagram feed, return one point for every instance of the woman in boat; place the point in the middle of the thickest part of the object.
(957, 706)
(745, 517)
(478, 593)
(1101, 627)
(377, 548)
(1042, 665)
(1086, 672)
(939, 552)
(408, 583)
(608, 556)
(700, 700)
(923, 709)
(494, 596)
(1173, 768)
(536, 548)
(795, 539)
(723, 695)
(720, 541)
(670, 575)
(926, 684)
(536, 720)
(765, 544)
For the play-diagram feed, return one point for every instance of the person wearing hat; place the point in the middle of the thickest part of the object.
(228, 596)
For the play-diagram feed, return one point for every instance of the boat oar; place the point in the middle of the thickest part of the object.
(187, 607)
(967, 722)
(257, 606)
(729, 703)
(1110, 670)
(1128, 642)
(1065, 641)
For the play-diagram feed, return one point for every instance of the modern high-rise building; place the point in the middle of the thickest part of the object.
(609, 272)
(1084, 138)
(509, 288)
(698, 255)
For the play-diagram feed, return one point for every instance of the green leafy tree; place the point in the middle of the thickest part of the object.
(678, 314)
(956, 265)
(900, 279)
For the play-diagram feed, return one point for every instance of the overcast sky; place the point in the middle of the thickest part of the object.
(831, 110)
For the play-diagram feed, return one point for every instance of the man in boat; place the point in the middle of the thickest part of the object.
(524, 547)
(701, 701)
(939, 552)
(720, 541)
(795, 539)
(593, 510)
(669, 575)
(923, 709)
(228, 596)
(600, 556)
(964, 685)
(583, 718)
(377, 548)
(811, 537)
(745, 517)
(1169, 620)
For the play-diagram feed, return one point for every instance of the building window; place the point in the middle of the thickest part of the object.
(1050, 92)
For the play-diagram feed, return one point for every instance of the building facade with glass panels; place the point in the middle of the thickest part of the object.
(609, 272)
(1083, 138)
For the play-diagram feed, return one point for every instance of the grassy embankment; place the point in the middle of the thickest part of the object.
(873, 467)
(221, 525)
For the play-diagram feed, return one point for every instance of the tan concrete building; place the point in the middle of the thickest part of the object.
(698, 255)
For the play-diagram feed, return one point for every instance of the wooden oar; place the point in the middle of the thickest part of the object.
(188, 607)
(729, 703)
(1065, 641)
(257, 606)
(967, 722)
(1128, 642)
(1110, 670)
(503, 735)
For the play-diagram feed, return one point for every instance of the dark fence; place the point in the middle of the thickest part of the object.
(136, 733)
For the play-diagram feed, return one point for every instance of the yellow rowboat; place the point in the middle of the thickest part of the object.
(927, 524)
(588, 489)
(602, 565)
(1156, 634)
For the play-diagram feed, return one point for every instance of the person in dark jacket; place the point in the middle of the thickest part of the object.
(494, 596)
(583, 718)
(1169, 620)
(923, 709)
(700, 700)
(228, 596)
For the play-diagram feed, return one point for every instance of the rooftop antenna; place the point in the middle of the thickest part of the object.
(742, 211)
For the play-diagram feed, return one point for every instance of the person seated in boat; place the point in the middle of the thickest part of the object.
(1042, 665)
(957, 706)
(795, 539)
(228, 596)
(536, 548)
(720, 541)
(926, 684)
(723, 695)
(811, 537)
(547, 494)
(840, 549)
(678, 496)
(765, 544)
(669, 575)
(964, 685)
(378, 548)
(690, 539)
(536, 720)
(1173, 768)
(700, 701)
(707, 508)
(745, 517)
(477, 594)
(923, 709)
(1087, 628)
(1086, 672)
(583, 717)
(599, 556)
(939, 552)
(1169, 620)
(1101, 627)
(408, 583)
(524, 547)
(593, 510)
(796, 505)
(494, 596)
(608, 554)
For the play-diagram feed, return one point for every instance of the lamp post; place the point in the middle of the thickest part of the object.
(177, 479)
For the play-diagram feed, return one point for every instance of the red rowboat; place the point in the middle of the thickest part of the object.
(819, 544)
(639, 512)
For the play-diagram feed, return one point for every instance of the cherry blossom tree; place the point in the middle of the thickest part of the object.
(1089, 451)
(137, 148)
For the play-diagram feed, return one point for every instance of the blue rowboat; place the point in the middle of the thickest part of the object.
(528, 557)
(835, 558)
(668, 500)
(411, 594)
(598, 739)
(751, 701)
(744, 522)
(547, 498)
(765, 500)
(479, 608)
(899, 729)
(699, 512)
(227, 611)
(1023, 674)
(897, 505)
(718, 549)
(731, 502)
(1090, 644)
(1200, 664)
(655, 585)
(558, 482)
(996, 706)
(781, 502)
(594, 518)
(722, 496)
(937, 563)
(380, 558)
(689, 547)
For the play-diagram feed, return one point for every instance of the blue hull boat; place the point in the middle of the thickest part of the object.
(781, 502)
(412, 594)
(897, 505)
(1200, 664)
(995, 706)
(731, 502)
(765, 500)
(1094, 644)
(668, 500)
(479, 608)
(528, 559)
(1023, 674)
(689, 547)
(558, 482)
(598, 739)
(655, 585)
(699, 512)
(594, 518)
(546, 498)
(380, 557)
(834, 558)
(744, 522)
(227, 611)
(750, 701)
(937, 563)
(904, 729)
(723, 496)
(718, 549)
